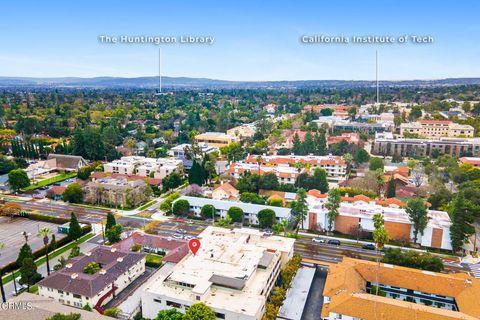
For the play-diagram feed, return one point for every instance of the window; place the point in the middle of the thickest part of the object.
(220, 315)
(157, 300)
(173, 304)
(197, 298)
(60, 291)
(77, 296)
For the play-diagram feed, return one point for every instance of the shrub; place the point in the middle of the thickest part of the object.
(92, 268)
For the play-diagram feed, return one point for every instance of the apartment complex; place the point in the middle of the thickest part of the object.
(181, 152)
(286, 167)
(386, 144)
(337, 110)
(243, 131)
(361, 127)
(437, 129)
(356, 213)
(118, 192)
(409, 293)
(250, 210)
(474, 161)
(72, 286)
(233, 273)
(157, 168)
(216, 139)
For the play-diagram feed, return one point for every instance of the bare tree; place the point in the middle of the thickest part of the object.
(417, 175)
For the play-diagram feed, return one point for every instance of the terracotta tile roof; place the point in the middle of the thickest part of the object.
(346, 288)
(470, 160)
(316, 193)
(227, 187)
(58, 190)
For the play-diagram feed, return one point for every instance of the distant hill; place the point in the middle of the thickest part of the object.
(180, 83)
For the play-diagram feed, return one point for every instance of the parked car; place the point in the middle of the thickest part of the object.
(189, 237)
(177, 236)
(318, 240)
(368, 246)
(334, 242)
(180, 231)
(268, 232)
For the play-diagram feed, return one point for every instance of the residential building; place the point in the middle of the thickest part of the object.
(409, 293)
(216, 139)
(270, 108)
(225, 191)
(337, 110)
(361, 127)
(118, 192)
(380, 118)
(474, 161)
(33, 306)
(100, 175)
(250, 210)
(284, 174)
(285, 167)
(157, 168)
(348, 137)
(329, 121)
(437, 129)
(172, 250)
(67, 162)
(233, 273)
(72, 286)
(386, 145)
(356, 213)
(243, 131)
(181, 152)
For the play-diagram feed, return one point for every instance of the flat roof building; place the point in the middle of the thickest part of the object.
(437, 129)
(216, 139)
(157, 168)
(233, 273)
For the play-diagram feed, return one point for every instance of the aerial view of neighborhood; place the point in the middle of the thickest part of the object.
(256, 160)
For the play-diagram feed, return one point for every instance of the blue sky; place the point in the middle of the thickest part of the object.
(254, 40)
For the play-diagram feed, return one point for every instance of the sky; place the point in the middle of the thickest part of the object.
(254, 40)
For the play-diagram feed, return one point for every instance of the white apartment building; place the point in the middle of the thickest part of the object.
(180, 152)
(72, 286)
(233, 273)
(437, 129)
(243, 131)
(142, 166)
(250, 210)
(335, 166)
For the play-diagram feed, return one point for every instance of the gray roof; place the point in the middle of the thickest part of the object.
(86, 284)
(66, 161)
(266, 259)
(233, 283)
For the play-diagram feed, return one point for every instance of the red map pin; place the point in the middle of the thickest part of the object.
(194, 245)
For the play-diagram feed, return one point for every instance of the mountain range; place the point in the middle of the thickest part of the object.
(183, 83)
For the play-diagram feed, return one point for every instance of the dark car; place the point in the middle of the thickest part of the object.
(334, 242)
(368, 246)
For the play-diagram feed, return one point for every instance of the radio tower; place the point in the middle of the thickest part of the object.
(160, 70)
(376, 76)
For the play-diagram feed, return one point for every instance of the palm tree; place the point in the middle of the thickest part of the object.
(45, 233)
(2, 290)
(348, 158)
(259, 161)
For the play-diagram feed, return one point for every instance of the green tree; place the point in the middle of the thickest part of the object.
(92, 268)
(74, 229)
(236, 214)
(75, 252)
(417, 213)
(266, 218)
(53, 244)
(172, 181)
(391, 189)
(320, 180)
(70, 316)
(181, 207)
(195, 175)
(300, 208)
(44, 234)
(114, 233)
(112, 312)
(18, 179)
(208, 211)
(332, 205)
(28, 272)
(73, 193)
(110, 221)
(268, 181)
(24, 253)
(6, 165)
(375, 163)
(84, 172)
(170, 314)
(462, 212)
(297, 145)
(199, 311)
(320, 144)
(380, 236)
(361, 156)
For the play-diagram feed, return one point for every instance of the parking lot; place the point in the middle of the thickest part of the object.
(10, 235)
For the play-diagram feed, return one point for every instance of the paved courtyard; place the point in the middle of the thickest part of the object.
(10, 235)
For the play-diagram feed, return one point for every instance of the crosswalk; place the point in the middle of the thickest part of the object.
(475, 268)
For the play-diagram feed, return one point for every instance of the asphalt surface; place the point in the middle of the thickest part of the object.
(314, 304)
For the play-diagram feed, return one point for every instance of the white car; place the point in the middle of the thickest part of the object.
(189, 237)
(177, 236)
(318, 240)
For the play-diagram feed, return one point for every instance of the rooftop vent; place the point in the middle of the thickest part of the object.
(113, 249)
(102, 271)
(68, 265)
(74, 275)
(119, 259)
(88, 253)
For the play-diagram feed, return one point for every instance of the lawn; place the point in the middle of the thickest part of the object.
(146, 205)
(52, 255)
(153, 260)
(49, 181)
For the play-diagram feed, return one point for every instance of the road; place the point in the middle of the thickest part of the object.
(304, 246)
